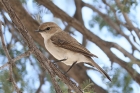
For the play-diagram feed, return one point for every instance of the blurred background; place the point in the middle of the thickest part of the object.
(110, 29)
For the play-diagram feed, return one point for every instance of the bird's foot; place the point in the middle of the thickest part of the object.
(60, 60)
(70, 68)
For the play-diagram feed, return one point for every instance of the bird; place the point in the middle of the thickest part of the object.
(65, 48)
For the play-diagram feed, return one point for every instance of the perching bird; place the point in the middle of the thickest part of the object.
(64, 47)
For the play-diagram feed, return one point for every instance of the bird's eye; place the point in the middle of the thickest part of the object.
(48, 28)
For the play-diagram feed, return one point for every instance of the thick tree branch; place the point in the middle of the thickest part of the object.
(112, 24)
(78, 16)
(40, 57)
(89, 35)
(32, 25)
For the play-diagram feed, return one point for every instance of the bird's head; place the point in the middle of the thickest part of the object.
(48, 28)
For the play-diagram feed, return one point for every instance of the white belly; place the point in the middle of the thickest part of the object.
(61, 53)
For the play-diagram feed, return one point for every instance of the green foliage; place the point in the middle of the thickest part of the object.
(121, 81)
(127, 5)
(1, 50)
(102, 23)
(87, 86)
(18, 73)
(23, 1)
(5, 85)
(62, 85)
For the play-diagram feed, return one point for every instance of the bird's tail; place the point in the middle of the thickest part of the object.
(100, 69)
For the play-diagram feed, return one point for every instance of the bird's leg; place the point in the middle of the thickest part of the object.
(60, 60)
(70, 67)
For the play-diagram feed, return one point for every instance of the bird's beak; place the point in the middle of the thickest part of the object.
(39, 30)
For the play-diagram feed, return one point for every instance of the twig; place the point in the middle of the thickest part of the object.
(12, 30)
(120, 23)
(112, 24)
(48, 66)
(27, 53)
(10, 61)
(41, 79)
(115, 45)
(90, 36)
(31, 25)
(21, 28)
(120, 5)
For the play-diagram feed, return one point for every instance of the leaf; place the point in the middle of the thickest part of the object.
(87, 86)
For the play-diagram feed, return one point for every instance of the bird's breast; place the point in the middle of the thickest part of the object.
(61, 53)
(57, 52)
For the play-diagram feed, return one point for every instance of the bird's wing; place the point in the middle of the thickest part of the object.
(64, 40)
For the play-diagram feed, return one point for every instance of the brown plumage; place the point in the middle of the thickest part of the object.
(61, 45)
(64, 40)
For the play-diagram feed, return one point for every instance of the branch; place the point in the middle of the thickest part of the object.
(32, 25)
(27, 53)
(120, 23)
(120, 5)
(89, 35)
(115, 45)
(112, 24)
(11, 27)
(41, 79)
(40, 57)
(10, 61)
(78, 16)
